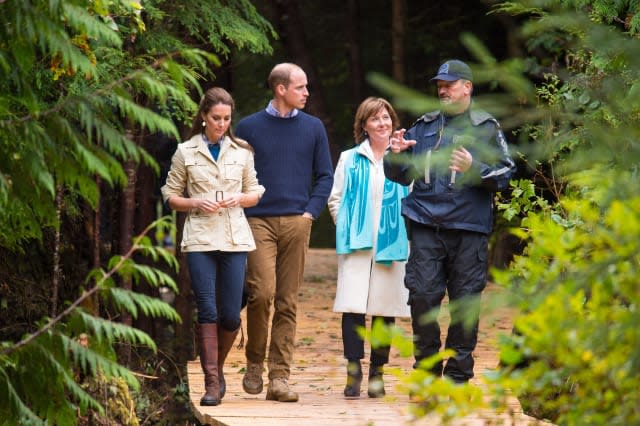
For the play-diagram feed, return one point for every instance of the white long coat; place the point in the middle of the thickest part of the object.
(364, 286)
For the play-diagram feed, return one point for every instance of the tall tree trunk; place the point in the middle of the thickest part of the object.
(96, 225)
(126, 215)
(93, 221)
(398, 32)
(185, 337)
(55, 285)
(145, 213)
(352, 29)
(398, 36)
(291, 28)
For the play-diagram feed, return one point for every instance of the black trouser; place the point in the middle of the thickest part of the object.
(353, 343)
(455, 262)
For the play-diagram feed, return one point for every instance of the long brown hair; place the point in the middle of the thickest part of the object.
(367, 108)
(211, 98)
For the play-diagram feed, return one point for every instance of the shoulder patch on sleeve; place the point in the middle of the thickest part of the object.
(479, 116)
(427, 118)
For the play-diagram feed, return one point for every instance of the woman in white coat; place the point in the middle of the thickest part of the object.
(371, 242)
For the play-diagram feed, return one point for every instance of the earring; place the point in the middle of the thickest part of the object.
(366, 135)
(204, 123)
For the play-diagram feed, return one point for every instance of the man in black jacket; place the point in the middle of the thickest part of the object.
(456, 158)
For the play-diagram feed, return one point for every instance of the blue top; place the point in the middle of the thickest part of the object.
(214, 148)
(293, 163)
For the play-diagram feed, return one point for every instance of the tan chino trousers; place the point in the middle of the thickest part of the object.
(275, 271)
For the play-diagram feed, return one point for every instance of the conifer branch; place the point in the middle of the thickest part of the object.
(101, 91)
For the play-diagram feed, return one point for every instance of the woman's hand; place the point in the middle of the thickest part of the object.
(207, 206)
(398, 143)
(233, 200)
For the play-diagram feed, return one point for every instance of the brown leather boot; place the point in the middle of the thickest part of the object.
(208, 339)
(225, 342)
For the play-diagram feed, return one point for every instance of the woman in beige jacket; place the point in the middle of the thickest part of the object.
(212, 178)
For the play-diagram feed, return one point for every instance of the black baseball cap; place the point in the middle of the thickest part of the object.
(453, 70)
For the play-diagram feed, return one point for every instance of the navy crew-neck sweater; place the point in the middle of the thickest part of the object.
(293, 163)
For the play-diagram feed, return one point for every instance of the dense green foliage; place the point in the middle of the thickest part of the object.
(42, 376)
(63, 113)
(82, 82)
(573, 357)
(75, 77)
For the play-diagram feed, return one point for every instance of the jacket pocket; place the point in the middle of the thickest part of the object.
(197, 171)
(233, 171)
(240, 231)
(198, 229)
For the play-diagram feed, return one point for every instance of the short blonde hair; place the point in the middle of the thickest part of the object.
(367, 108)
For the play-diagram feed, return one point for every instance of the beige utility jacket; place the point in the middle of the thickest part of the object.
(195, 174)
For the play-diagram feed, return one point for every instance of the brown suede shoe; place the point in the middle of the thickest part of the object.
(252, 380)
(279, 390)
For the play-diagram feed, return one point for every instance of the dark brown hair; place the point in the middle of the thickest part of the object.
(211, 98)
(367, 108)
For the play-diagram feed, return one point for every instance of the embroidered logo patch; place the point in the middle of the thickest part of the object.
(444, 68)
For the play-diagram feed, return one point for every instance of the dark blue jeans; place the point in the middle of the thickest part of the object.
(217, 280)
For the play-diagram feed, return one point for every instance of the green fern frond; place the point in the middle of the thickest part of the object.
(91, 362)
(153, 276)
(59, 43)
(115, 260)
(96, 275)
(77, 393)
(160, 253)
(165, 93)
(199, 59)
(48, 399)
(104, 331)
(12, 406)
(144, 116)
(93, 162)
(175, 72)
(222, 24)
(150, 306)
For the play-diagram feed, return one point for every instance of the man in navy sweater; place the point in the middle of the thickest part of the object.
(294, 165)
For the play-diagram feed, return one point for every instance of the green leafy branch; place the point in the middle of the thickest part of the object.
(121, 265)
(62, 361)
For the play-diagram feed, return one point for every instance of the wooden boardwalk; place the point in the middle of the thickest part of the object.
(318, 374)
